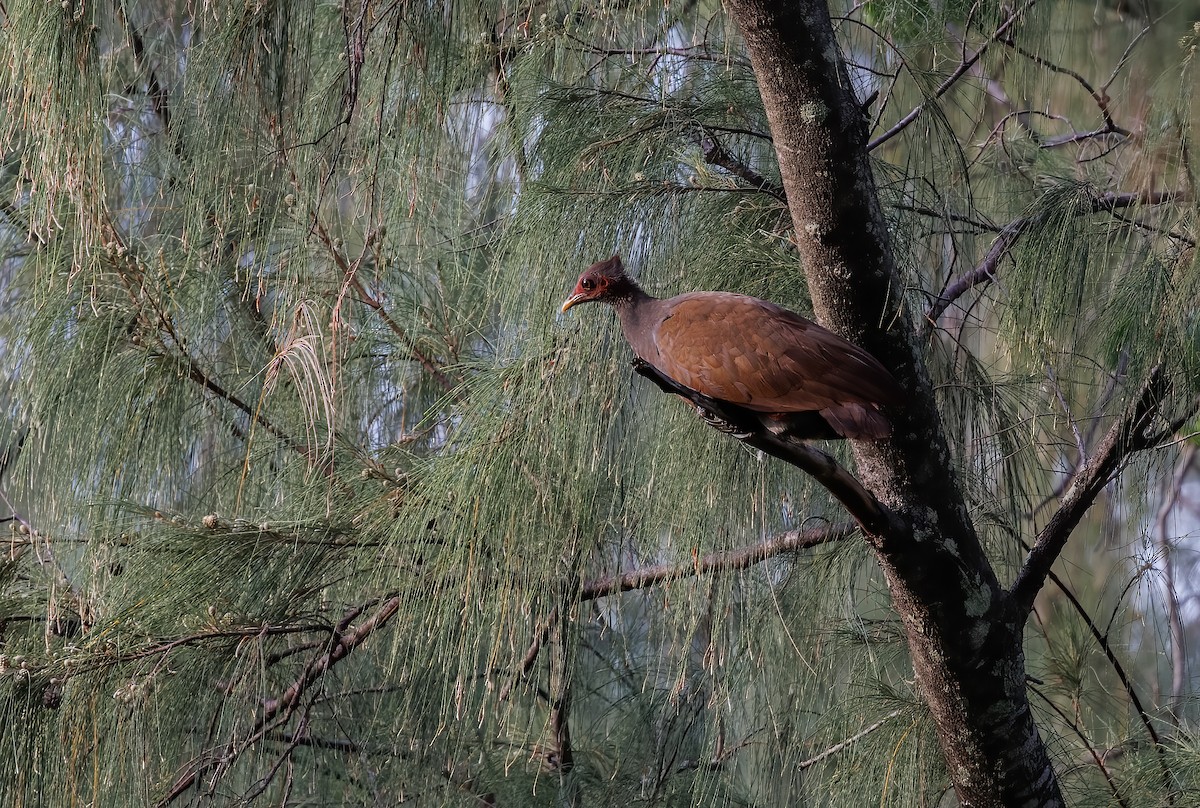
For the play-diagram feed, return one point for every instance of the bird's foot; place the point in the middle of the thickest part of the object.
(720, 424)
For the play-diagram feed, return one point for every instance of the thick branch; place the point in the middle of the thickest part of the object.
(1126, 436)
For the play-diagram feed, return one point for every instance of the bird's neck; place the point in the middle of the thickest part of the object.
(637, 312)
(627, 295)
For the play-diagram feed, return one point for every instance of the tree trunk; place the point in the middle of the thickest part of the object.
(963, 631)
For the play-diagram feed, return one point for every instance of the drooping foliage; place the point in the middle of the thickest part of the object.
(315, 496)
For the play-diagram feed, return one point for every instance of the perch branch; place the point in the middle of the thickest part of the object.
(874, 517)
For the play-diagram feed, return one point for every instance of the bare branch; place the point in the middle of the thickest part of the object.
(211, 386)
(540, 636)
(856, 737)
(560, 705)
(647, 577)
(741, 558)
(1126, 436)
(1099, 96)
(948, 216)
(343, 643)
(716, 154)
(1124, 59)
(699, 52)
(350, 276)
(1101, 639)
(985, 271)
(965, 65)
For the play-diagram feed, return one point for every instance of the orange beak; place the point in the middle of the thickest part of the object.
(577, 297)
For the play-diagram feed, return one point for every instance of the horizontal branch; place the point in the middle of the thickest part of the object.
(647, 577)
(741, 558)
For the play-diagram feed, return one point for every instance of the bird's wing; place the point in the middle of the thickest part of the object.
(753, 353)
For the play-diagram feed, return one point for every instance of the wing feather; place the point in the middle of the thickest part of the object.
(753, 353)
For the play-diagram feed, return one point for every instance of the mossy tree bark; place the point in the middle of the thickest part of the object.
(963, 630)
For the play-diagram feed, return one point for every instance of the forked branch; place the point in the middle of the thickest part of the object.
(274, 712)
(964, 66)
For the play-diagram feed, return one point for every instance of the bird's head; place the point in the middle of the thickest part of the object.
(605, 281)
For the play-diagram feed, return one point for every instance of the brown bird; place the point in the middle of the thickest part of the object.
(806, 381)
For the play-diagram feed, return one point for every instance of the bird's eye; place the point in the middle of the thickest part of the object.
(588, 284)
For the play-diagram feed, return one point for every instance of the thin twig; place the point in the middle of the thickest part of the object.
(1101, 639)
(1101, 98)
(921, 210)
(964, 66)
(1112, 785)
(210, 385)
(350, 276)
(855, 738)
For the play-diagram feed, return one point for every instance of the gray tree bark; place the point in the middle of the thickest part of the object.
(963, 630)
